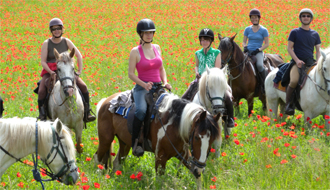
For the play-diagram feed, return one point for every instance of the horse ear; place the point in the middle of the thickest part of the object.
(224, 69)
(72, 52)
(207, 69)
(217, 117)
(58, 126)
(57, 55)
(232, 38)
(219, 36)
(201, 116)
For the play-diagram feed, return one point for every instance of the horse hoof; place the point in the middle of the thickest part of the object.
(138, 151)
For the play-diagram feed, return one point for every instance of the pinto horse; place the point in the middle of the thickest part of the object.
(65, 101)
(242, 75)
(314, 96)
(178, 125)
(55, 146)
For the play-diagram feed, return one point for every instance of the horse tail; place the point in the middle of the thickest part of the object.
(99, 106)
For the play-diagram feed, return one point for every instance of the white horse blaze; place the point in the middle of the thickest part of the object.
(205, 139)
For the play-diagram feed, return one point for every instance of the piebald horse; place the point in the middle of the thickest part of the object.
(180, 129)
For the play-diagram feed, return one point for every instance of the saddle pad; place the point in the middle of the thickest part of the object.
(282, 88)
(157, 104)
(123, 111)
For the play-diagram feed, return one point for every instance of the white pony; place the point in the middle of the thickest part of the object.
(314, 96)
(211, 92)
(18, 138)
(65, 101)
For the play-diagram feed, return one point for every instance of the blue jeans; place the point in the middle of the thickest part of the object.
(140, 102)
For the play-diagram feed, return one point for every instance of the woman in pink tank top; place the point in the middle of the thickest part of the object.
(146, 59)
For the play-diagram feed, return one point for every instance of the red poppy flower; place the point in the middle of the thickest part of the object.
(100, 166)
(223, 154)
(293, 156)
(97, 185)
(88, 159)
(18, 174)
(113, 154)
(118, 172)
(85, 187)
(107, 176)
(212, 150)
(284, 161)
(213, 187)
(214, 179)
(84, 179)
(286, 144)
(21, 184)
(133, 176)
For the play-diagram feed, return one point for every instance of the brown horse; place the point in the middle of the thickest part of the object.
(242, 73)
(178, 125)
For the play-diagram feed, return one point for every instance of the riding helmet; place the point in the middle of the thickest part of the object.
(206, 32)
(254, 12)
(55, 22)
(145, 25)
(306, 10)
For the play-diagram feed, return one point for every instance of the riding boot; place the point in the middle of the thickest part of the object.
(230, 112)
(191, 91)
(88, 117)
(137, 149)
(42, 112)
(263, 76)
(289, 107)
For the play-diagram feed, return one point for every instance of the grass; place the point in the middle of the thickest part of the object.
(105, 33)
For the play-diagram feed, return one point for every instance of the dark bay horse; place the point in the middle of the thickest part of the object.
(242, 74)
(180, 129)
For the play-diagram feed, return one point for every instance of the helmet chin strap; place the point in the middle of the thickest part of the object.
(57, 36)
(141, 37)
(304, 23)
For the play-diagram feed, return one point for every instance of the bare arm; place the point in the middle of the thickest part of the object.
(244, 41)
(218, 61)
(196, 67)
(44, 54)
(318, 52)
(162, 71)
(293, 55)
(266, 44)
(78, 55)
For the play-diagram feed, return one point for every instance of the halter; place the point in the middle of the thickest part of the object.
(72, 79)
(214, 107)
(35, 171)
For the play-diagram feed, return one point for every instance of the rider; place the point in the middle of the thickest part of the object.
(301, 44)
(48, 63)
(256, 34)
(212, 58)
(146, 59)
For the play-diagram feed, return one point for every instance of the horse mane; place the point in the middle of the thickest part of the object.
(216, 78)
(17, 133)
(65, 57)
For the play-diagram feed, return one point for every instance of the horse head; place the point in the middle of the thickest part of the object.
(212, 89)
(204, 131)
(61, 154)
(323, 66)
(65, 70)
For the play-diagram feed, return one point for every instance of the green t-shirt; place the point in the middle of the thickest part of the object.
(208, 59)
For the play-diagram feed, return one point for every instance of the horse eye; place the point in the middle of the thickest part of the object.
(196, 138)
(325, 69)
(59, 70)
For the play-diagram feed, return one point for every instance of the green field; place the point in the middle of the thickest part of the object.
(105, 32)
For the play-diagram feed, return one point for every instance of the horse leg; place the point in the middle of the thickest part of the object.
(250, 104)
(217, 146)
(121, 154)
(160, 163)
(105, 141)
(78, 130)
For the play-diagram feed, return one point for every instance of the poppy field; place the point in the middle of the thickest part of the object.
(261, 153)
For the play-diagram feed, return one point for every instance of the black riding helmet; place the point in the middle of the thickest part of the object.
(145, 25)
(206, 32)
(55, 22)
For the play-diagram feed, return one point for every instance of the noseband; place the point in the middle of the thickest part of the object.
(214, 107)
(67, 86)
(229, 56)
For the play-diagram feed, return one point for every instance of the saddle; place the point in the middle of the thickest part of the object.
(151, 98)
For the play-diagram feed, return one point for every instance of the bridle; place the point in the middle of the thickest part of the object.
(214, 107)
(57, 144)
(72, 79)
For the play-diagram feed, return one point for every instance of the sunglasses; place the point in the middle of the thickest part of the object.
(308, 16)
(58, 28)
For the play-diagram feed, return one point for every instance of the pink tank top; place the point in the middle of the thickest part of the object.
(148, 69)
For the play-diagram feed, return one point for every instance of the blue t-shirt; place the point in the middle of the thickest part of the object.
(255, 38)
(304, 42)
